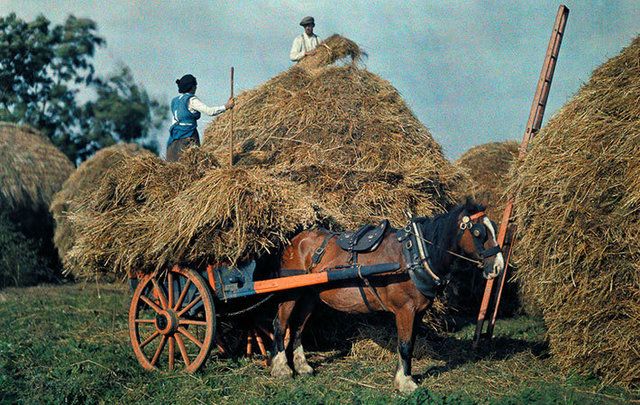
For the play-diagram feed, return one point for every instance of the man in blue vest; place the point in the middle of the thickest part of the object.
(186, 110)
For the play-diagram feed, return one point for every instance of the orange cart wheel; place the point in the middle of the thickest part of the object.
(172, 321)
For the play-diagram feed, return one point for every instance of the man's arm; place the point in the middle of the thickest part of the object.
(197, 105)
(297, 51)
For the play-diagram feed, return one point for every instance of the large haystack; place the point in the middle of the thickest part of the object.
(488, 166)
(346, 135)
(316, 143)
(84, 181)
(32, 170)
(578, 215)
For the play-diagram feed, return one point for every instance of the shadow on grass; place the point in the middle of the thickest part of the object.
(337, 333)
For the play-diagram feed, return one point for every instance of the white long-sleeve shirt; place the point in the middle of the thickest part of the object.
(303, 44)
(196, 105)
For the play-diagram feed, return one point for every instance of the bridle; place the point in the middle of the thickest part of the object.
(474, 223)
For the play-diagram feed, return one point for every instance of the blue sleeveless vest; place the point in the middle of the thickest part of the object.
(185, 122)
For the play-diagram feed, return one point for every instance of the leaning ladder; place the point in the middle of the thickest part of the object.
(507, 228)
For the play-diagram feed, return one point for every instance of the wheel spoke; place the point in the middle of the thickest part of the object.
(161, 296)
(144, 320)
(190, 336)
(152, 304)
(191, 304)
(183, 350)
(149, 339)
(192, 322)
(183, 294)
(172, 352)
(170, 288)
(159, 350)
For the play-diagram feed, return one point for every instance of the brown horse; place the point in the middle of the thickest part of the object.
(407, 293)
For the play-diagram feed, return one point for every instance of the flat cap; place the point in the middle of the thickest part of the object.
(308, 20)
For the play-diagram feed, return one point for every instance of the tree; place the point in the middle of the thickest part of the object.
(44, 69)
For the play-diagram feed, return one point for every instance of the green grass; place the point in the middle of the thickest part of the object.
(69, 344)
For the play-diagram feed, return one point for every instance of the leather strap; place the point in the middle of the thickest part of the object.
(317, 255)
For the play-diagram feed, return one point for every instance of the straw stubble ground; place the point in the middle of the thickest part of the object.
(70, 344)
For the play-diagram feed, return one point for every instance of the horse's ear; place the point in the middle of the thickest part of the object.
(471, 206)
(469, 203)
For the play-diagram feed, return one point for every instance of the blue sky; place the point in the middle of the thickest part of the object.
(468, 69)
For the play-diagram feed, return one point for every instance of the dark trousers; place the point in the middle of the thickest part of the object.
(175, 148)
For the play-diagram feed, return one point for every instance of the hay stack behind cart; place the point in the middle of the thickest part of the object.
(84, 181)
(32, 169)
(578, 216)
(487, 167)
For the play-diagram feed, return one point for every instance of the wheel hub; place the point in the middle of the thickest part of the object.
(167, 322)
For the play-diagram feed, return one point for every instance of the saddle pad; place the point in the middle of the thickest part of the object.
(365, 239)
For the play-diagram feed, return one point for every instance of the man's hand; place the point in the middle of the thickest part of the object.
(230, 104)
(313, 52)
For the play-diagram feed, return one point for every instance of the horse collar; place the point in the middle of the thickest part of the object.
(419, 265)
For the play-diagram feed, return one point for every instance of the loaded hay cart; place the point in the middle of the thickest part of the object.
(177, 307)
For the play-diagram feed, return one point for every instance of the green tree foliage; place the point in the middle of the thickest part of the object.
(44, 68)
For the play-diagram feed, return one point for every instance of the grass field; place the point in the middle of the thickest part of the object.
(69, 344)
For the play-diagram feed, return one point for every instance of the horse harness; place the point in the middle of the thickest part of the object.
(418, 261)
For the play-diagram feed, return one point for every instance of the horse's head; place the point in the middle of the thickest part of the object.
(477, 237)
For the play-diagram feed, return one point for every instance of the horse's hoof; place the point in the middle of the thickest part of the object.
(279, 366)
(304, 370)
(300, 362)
(405, 383)
(283, 372)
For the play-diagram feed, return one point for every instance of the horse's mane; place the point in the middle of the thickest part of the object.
(442, 229)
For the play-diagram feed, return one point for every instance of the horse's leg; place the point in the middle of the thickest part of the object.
(279, 366)
(303, 311)
(405, 322)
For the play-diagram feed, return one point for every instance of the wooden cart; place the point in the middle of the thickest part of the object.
(172, 317)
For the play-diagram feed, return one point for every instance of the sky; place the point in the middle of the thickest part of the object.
(468, 69)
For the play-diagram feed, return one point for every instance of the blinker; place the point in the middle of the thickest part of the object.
(465, 223)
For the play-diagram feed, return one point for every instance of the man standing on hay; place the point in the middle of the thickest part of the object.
(186, 110)
(306, 43)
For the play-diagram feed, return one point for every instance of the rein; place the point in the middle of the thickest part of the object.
(477, 262)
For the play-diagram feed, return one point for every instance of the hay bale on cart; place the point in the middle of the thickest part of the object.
(82, 182)
(32, 170)
(578, 199)
(347, 136)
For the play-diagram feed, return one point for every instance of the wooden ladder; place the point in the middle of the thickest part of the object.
(507, 228)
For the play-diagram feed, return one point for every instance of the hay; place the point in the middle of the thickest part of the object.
(32, 170)
(316, 144)
(82, 182)
(347, 135)
(255, 216)
(488, 166)
(114, 223)
(578, 215)
(331, 50)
